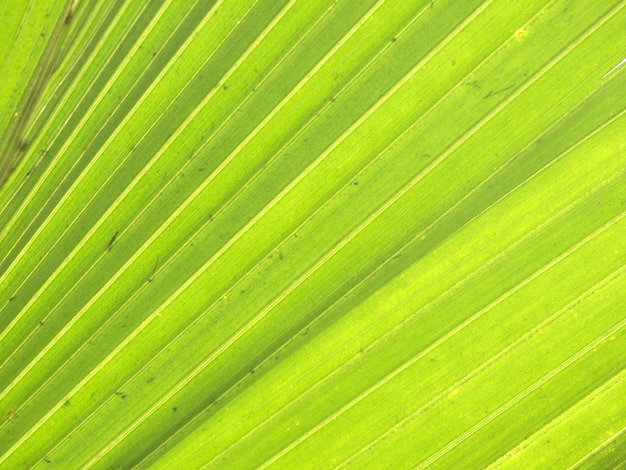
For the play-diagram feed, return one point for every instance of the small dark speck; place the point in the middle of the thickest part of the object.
(355, 183)
(175, 409)
(11, 298)
(211, 217)
(154, 54)
(121, 395)
(41, 323)
(47, 460)
(151, 379)
(280, 255)
(242, 292)
(332, 100)
(394, 39)
(200, 169)
(225, 87)
(67, 403)
(252, 371)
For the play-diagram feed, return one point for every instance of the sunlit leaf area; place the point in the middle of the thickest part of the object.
(312, 234)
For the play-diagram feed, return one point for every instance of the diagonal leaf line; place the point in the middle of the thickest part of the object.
(292, 184)
(27, 87)
(84, 274)
(111, 355)
(17, 34)
(78, 246)
(18, 84)
(124, 194)
(24, 250)
(523, 394)
(607, 280)
(101, 151)
(26, 91)
(37, 187)
(17, 181)
(75, 81)
(248, 326)
(603, 445)
(230, 242)
(113, 134)
(25, 203)
(458, 203)
(93, 20)
(79, 48)
(106, 287)
(65, 57)
(446, 294)
(264, 122)
(561, 418)
(326, 269)
(255, 320)
(25, 370)
(164, 225)
(442, 339)
(467, 279)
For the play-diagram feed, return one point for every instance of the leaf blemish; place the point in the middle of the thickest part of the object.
(112, 241)
(495, 92)
(154, 270)
(70, 13)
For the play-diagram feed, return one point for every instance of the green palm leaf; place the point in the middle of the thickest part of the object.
(313, 234)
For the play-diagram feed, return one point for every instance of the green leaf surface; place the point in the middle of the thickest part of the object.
(313, 234)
